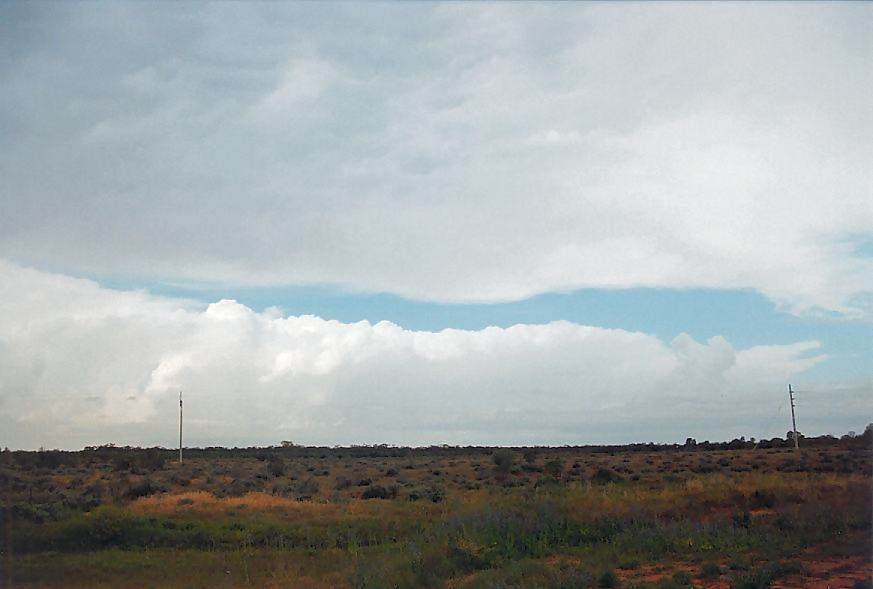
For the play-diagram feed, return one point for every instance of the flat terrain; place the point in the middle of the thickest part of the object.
(647, 516)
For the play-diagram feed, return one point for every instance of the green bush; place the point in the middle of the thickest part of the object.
(555, 468)
(380, 492)
(710, 570)
(276, 466)
(604, 475)
(607, 580)
(143, 488)
(763, 576)
(762, 500)
(503, 460)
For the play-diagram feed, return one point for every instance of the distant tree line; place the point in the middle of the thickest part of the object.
(148, 459)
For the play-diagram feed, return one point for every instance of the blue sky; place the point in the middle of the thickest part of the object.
(743, 317)
(549, 203)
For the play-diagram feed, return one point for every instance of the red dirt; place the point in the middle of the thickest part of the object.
(818, 573)
(829, 573)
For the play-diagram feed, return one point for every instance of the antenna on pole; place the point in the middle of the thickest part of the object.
(793, 421)
(180, 427)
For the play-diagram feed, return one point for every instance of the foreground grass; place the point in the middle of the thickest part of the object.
(499, 537)
(599, 527)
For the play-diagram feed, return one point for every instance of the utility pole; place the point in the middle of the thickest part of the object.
(793, 421)
(180, 427)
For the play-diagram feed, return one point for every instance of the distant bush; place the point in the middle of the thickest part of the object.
(604, 475)
(607, 580)
(682, 579)
(179, 478)
(142, 488)
(762, 500)
(742, 519)
(710, 570)
(503, 460)
(151, 459)
(555, 468)
(307, 488)
(276, 466)
(762, 577)
(122, 463)
(380, 492)
(433, 493)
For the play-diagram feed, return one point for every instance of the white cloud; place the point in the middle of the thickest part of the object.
(483, 153)
(302, 82)
(81, 364)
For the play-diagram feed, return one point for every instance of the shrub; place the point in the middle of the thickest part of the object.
(276, 466)
(180, 479)
(503, 460)
(762, 577)
(742, 519)
(142, 488)
(121, 463)
(555, 468)
(604, 475)
(152, 459)
(762, 500)
(682, 579)
(436, 494)
(607, 580)
(380, 492)
(307, 488)
(710, 570)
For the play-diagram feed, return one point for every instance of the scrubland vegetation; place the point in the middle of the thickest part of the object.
(696, 515)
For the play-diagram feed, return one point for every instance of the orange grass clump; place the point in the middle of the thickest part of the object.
(204, 503)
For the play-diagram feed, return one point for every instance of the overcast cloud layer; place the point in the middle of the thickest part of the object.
(81, 364)
(441, 152)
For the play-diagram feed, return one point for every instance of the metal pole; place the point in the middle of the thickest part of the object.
(180, 427)
(793, 421)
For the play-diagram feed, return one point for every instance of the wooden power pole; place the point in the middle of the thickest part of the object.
(180, 427)
(793, 421)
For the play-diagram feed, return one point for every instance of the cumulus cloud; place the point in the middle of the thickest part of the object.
(444, 152)
(82, 364)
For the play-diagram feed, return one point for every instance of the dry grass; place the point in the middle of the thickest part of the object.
(205, 504)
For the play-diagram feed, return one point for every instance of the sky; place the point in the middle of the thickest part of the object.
(417, 223)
